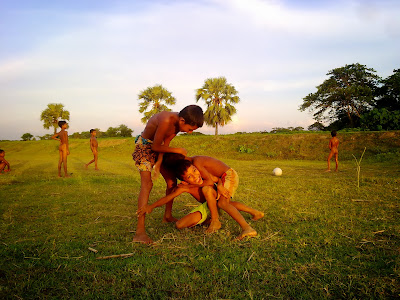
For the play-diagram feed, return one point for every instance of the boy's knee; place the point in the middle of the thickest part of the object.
(178, 225)
(207, 189)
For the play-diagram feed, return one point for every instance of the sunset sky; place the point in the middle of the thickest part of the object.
(96, 56)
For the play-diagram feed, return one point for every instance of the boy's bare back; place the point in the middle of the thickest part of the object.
(161, 126)
(334, 144)
(214, 166)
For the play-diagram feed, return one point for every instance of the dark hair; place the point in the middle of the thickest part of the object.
(176, 163)
(1, 150)
(61, 123)
(91, 130)
(193, 115)
(333, 133)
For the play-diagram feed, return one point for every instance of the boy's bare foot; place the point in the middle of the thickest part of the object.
(142, 238)
(170, 219)
(258, 215)
(328, 170)
(86, 166)
(97, 169)
(248, 232)
(214, 226)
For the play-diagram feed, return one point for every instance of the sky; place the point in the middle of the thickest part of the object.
(96, 56)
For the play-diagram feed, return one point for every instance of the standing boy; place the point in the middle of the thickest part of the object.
(93, 147)
(3, 162)
(63, 148)
(333, 146)
(155, 139)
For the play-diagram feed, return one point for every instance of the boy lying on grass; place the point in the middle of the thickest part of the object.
(211, 182)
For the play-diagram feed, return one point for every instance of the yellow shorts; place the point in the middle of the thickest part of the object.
(203, 209)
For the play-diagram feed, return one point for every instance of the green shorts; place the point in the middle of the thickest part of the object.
(203, 209)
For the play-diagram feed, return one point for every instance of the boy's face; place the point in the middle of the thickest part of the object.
(64, 126)
(2, 154)
(94, 133)
(183, 127)
(192, 176)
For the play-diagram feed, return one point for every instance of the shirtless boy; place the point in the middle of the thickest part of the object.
(93, 147)
(150, 145)
(203, 173)
(333, 146)
(63, 149)
(3, 162)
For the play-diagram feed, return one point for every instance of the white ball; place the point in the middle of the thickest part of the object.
(277, 172)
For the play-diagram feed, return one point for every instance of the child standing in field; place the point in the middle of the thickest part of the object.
(153, 142)
(217, 183)
(93, 147)
(333, 146)
(4, 163)
(63, 149)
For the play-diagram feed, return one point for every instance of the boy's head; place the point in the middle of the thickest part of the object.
(62, 123)
(190, 118)
(333, 133)
(182, 168)
(2, 152)
(93, 132)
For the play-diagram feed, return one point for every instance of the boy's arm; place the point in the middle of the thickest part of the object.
(7, 165)
(149, 208)
(54, 137)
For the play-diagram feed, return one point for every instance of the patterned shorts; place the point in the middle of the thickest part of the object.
(230, 181)
(144, 156)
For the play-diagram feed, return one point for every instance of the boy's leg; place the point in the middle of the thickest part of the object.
(145, 188)
(95, 159)
(64, 154)
(211, 196)
(170, 180)
(60, 161)
(247, 230)
(241, 207)
(337, 161)
(329, 161)
(189, 220)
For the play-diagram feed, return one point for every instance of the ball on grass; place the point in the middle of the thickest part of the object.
(277, 172)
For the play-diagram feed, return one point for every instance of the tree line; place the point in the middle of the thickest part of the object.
(354, 96)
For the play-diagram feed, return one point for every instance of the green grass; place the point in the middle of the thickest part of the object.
(321, 237)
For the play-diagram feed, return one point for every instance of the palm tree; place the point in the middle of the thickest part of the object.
(52, 114)
(219, 97)
(153, 97)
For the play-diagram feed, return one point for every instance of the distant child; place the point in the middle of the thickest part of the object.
(4, 163)
(218, 183)
(93, 146)
(150, 145)
(333, 146)
(63, 149)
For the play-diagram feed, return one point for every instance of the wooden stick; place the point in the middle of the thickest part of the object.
(116, 256)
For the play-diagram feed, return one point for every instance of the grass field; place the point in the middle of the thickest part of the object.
(321, 237)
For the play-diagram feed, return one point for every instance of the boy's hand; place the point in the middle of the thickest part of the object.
(144, 210)
(223, 191)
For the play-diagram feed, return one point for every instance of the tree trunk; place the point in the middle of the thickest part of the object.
(216, 129)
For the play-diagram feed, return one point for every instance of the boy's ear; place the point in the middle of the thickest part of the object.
(182, 120)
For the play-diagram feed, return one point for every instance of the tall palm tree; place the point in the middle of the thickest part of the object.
(52, 114)
(154, 97)
(219, 97)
